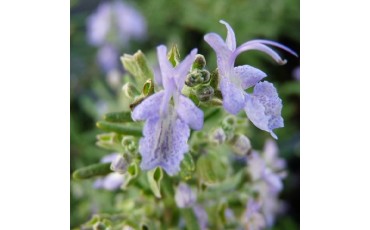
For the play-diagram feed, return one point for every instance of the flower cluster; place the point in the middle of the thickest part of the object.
(263, 107)
(267, 171)
(169, 115)
(111, 28)
(178, 98)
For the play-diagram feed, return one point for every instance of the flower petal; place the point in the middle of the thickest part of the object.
(256, 166)
(164, 144)
(109, 158)
(182, 69)
(249, 75)
(273, 180)
(257, 46)
(263, 108)
(233, 96)
(223, 53)
(112, 181)
(184, 196)
(165, 65)
(189, 113)
(149, 108)
(230, 39)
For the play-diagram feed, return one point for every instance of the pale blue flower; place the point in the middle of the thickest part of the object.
(115, 23)
(253, 218)
(112, 181)
(184, 196)
(234, 80)
(169, 116)
(111, 27)
(202, 216)
(267, 171)
(108, 58)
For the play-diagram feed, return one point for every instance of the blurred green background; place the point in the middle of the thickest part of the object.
(185, 23)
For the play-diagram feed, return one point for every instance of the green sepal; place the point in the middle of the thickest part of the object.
(148, 89)
(110, 141)
(130, 90)
(155, 177)
(119, 128)
(174, 55)
(191, 221)
(195, 99)
(221, 208)
(132, 172)
(137, 65)
(187, 167)
(211, 169)
(122, 117)
(100, 169)
(215, 79)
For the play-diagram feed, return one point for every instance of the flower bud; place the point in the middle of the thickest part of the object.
(120, 164)
(184, 196)
(197, 77)
(229, 123)
(218, 136)
(200, 62)
(205, 93)
(129, 144)
(99, 226)
(241, 145)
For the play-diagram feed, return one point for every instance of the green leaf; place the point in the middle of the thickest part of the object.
(124, 116)
(137, 65)
(191, 221)
(221, 212)
(130, 90)
(211, 169)
(100, 169)
(187, 167)
(119, 128)
(155, 177)
(174, 55)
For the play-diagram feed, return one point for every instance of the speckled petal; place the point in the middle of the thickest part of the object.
(164, 143)
(249, 75)
(189, 113)
(233, 96)
(263, 108)
(149, 108)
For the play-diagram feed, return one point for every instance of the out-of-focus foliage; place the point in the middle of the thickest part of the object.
(184, 23)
